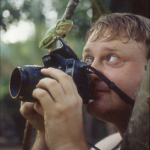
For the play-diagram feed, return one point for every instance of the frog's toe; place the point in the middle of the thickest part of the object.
(41, 45)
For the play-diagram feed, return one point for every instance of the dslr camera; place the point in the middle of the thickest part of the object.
(24, 80)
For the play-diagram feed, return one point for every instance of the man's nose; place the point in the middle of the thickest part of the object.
(93, 78)
(98, 66)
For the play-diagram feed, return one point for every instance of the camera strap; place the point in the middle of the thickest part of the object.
(112, 86)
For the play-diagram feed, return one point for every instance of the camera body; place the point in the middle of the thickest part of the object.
(24, 80)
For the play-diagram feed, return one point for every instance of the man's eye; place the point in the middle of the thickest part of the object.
(112, 59)
(88, 61)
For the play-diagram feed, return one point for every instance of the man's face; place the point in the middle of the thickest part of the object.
(122, 63)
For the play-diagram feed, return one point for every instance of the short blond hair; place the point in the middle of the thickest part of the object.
(134, 26)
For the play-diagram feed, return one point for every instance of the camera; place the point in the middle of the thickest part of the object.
(24, 80)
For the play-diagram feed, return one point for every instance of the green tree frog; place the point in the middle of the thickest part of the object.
(61, 29)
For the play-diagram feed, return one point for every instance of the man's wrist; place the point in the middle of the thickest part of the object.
(81, 144)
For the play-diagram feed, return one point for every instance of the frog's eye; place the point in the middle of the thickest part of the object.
(88, 60)
(63, 20)
(64, 35)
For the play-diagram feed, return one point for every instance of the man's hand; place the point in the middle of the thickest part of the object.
(62, 110)
(34, 113)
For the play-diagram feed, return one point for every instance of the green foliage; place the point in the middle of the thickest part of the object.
(12, 10)
(99, 9)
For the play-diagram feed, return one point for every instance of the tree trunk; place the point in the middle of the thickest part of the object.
(27, 136)
(137, 133)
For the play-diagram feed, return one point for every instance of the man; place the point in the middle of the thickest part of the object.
(118, 46)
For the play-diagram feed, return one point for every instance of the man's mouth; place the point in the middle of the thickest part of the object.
(98, 90)
(96, 93)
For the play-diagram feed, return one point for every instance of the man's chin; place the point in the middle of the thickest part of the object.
(98, 103)
(99, 110)
(92, 105)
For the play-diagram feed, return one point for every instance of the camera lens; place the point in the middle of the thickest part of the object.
(18, 77)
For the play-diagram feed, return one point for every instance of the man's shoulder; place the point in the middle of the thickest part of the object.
(109, 142)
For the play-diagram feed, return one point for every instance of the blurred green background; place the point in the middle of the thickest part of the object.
(23, 25)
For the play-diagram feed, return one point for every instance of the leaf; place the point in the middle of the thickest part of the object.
(98, 9)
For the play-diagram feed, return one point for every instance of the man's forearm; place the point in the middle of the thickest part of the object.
(40, 143)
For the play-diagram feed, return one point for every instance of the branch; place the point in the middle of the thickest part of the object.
(137, 134)
(72, 4)
(27, 136)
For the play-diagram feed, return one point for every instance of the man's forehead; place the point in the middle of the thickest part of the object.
(105, 38)
(108, 35)
(114, 44)
(109, 47)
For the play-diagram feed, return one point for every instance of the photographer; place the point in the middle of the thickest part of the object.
(118, 46)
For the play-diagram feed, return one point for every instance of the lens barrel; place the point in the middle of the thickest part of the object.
(23, 81)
